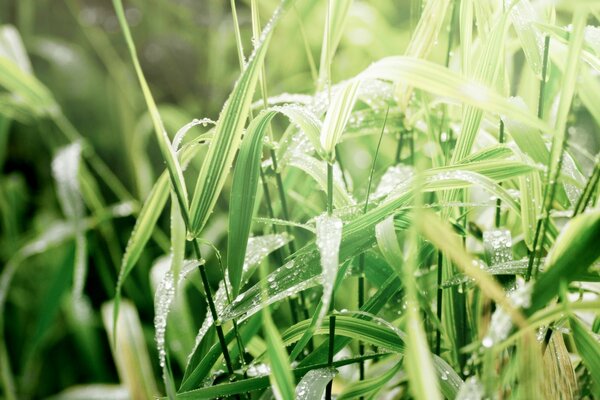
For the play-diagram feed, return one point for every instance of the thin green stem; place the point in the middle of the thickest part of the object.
(213, 312)
(499, 201)
(544, 77)
(329, 188)
(439, 295)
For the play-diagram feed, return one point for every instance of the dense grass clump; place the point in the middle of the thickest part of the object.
(300, 199)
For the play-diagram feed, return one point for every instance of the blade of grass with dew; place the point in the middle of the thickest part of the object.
(245, 183)
(587, 347)
(129, 350)
(181, 319)
(442, 82)
(229, 129)
(337, 117)
(577, 241)
(328, 238)
(178, 238)
(163, 298)
(166, 149)
(523, 17)
(312, 385)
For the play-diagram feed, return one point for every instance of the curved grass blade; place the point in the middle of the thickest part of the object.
(337, 117)
(440, 81)
(35, 95)
(229, 129)
(577, 241)
(587, 347)
(312, 385)
(376, 334)
(369, 387)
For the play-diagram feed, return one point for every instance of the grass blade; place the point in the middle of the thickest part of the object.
(229, 129)
(245, 183)
(577, 241)
(587, 347)
(129, 350)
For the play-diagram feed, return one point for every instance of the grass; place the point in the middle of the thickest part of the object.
(414, 216)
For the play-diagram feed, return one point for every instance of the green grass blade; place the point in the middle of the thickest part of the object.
(523, 17)
(281, 377)
(578, 242)
(245, 183)
(129, 350)
(229, 129)
(312, 385)
(369, 386)
(35, 95)
(442, 82)
(317, 170)
(337, 117)
(588, 348)
(466, 34)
